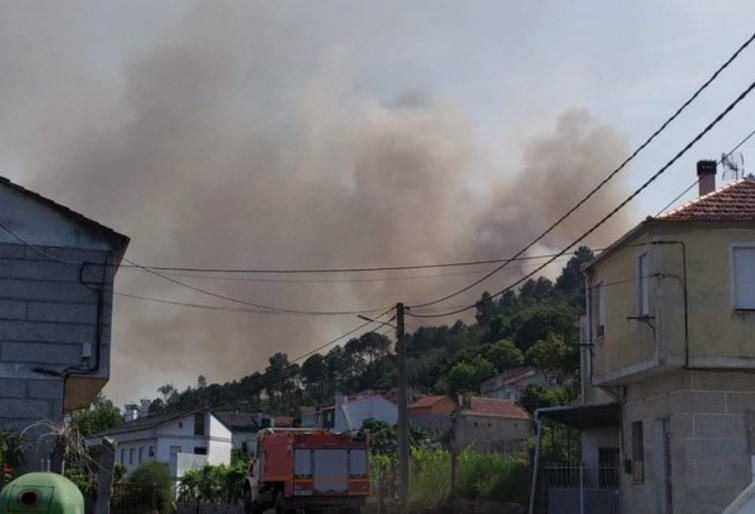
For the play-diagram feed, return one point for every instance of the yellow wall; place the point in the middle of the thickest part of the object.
(718, 336)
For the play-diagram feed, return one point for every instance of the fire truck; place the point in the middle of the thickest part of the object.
(309, 470)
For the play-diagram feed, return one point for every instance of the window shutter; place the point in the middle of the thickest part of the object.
(643, 289)
(744, 278)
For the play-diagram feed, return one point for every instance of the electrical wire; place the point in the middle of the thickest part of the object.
(579, 204)
(726, 156)
(631, 197)
(267, 308)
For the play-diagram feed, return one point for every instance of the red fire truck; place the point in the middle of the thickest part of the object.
(308, 470)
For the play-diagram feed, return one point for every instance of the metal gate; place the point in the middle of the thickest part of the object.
(572, 488)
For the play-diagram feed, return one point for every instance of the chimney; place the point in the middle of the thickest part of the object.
(340, 400)
(144, 409)
(131, 412)
(465, 401)
(706, 174)
(258, 419)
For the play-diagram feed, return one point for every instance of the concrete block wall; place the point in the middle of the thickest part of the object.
(711, 420)
(46, 316)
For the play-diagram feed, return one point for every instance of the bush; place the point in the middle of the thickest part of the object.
(156, 474)
(479, 476)
(216, 484)
(12, 454)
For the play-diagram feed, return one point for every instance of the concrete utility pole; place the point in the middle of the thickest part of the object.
(403, 410)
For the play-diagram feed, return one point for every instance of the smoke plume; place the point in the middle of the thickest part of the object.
(236, 141)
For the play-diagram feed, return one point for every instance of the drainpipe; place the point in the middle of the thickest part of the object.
(536, 462)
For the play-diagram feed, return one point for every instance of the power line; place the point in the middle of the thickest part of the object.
(303, 271)
(256, 305)
(603, 182)
(631, 197)
(737, 147)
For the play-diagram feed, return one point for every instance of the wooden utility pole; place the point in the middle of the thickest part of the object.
(403, 410)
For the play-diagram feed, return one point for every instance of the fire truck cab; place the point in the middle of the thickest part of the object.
(309, 470)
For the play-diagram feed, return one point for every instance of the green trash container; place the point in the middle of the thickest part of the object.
(41, 493)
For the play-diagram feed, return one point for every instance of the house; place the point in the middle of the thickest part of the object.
(432, 413)
(183, 440)
(349, 412)
(56, 276)
(668, 394)
(510, 384)
(491, 424)
(244, 427)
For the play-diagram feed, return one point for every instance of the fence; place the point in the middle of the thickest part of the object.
(133, 499)
(573, 488)
(210, 508)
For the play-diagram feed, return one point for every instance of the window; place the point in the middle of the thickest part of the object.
(141, 454)
(151, 452)
(199, 419)
(638, 453)
(131, 453)
(303, 463)
(358, 467)
(743, 262)
(123, 455)
(600, 311)
(200, 451)
(643, 284)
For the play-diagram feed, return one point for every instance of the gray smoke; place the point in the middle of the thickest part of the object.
(233, 142)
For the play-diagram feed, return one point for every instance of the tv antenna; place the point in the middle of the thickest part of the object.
(734, 165)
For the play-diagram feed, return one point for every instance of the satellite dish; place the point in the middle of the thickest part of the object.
(734, 165)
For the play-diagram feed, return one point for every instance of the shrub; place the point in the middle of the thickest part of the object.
(156, 474)
(217, 484)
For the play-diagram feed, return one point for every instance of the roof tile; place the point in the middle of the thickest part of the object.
(496, 407)
(733, 202)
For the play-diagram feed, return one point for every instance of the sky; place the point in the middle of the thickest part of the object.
(295, 134)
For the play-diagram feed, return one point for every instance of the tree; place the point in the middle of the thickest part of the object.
(554, 357)
(101, 416)
(534, 397)
(486, 310)
(505, 355)
(314, 374)
(201, 382)
(571, 280)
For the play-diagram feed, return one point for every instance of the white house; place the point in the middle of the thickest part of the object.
(182, 440)
(350, 412)
(510, 384)
(244, 427)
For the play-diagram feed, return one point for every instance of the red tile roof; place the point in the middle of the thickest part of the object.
(734, 202)
(509, 377)
(427, 401)
(496, 407)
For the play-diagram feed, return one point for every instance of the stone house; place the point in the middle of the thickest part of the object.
(668, 387)
(432, 413)
(491, 424)
(56, 281)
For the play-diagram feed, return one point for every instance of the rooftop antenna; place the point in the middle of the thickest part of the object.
(734, 165)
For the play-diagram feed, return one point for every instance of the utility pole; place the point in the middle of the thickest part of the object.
(403, 410)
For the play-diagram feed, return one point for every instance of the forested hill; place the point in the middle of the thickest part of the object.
(537, 325)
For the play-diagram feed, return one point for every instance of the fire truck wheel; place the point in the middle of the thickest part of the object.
(280, 504)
